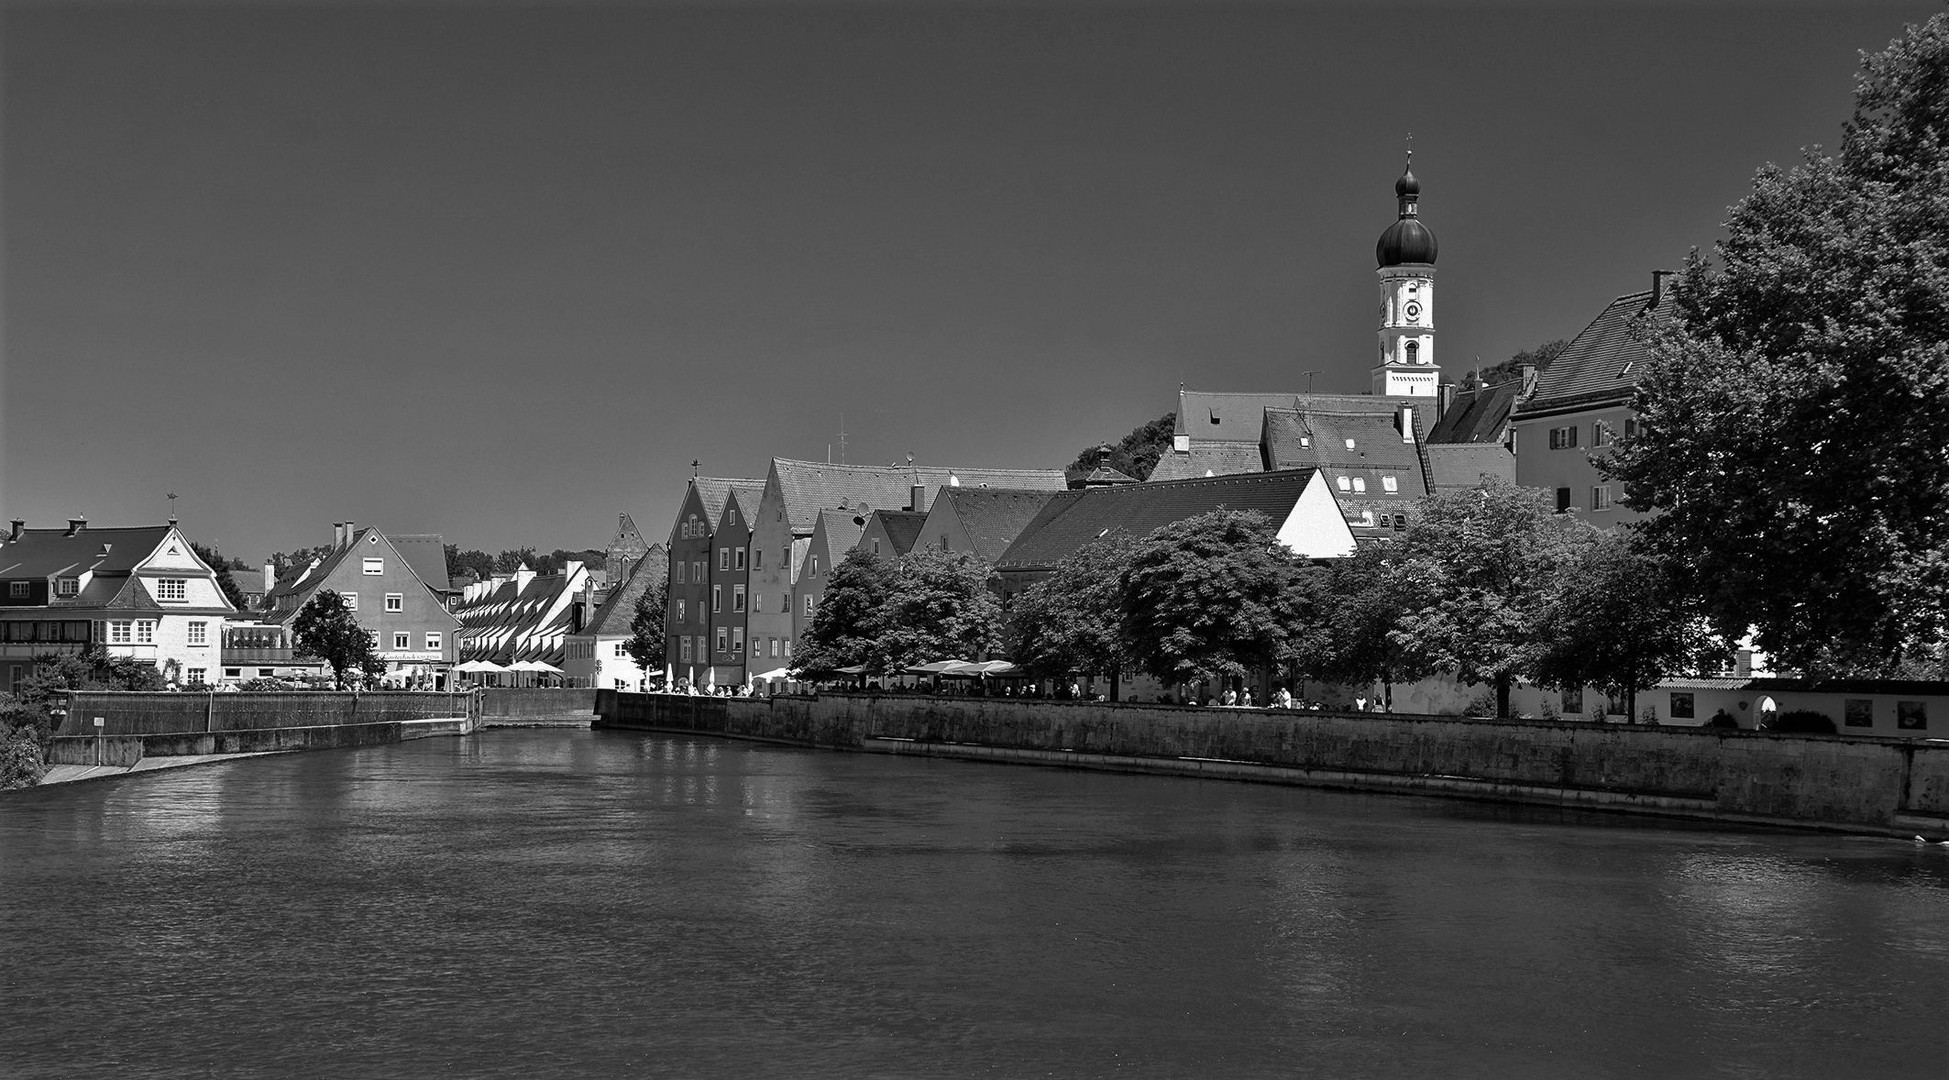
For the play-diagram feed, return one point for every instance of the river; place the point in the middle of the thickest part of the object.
(567, 902)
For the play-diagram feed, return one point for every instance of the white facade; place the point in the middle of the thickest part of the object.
(1407, 332)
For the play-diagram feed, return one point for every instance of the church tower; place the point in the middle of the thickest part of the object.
(1406, 253)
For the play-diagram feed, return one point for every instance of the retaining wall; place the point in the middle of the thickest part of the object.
(536, 703)
(132, 713)
(1870, 784)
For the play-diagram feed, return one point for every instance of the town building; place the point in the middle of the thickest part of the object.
(693, 554)
(411, 628)
(1582, 402)
(891, 533)
(731, 589)
(981, 521)
(523, 618)
(139, 592)
(837, 533)
(796, 491)
(597, 654)
(621, 554)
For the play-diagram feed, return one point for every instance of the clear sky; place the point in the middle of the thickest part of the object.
(500, 272)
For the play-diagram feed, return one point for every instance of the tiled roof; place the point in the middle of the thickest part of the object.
(426, 554)
(1604, 360)
(1364, 444)
(902, 527)
(1227, 417)
(993, 518)
(745, 494)
(304, 578)
(1462, 465)
(811, 486)
(713, 490)
(1477, 417)
(1071, 519)
(42, 553)
(1210, 459)
(843, 530)
(518, 619)
(618, 609)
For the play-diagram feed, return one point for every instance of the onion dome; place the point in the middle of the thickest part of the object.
(1407, 240)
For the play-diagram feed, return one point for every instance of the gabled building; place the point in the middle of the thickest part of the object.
(980, 521)
(687, 631)
(411, 628)
(891, 533)
(731, 590)
(521, 617)
(596, 654)
(1583, 402)
(622, 553)
(837, 533)
(139, 592)
(796, 491)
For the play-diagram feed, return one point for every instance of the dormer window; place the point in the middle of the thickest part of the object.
(1350, 444)
(17, 590)
(67, 586)
(1344, 483)
(1360, 485)
(1390, 485)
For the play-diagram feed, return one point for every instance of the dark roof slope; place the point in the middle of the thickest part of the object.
(618, 610)
(811, 486)
(1479, 416)
(1463, 465)
(1604, 361)
(902, 527)
(843, 529)
(994, 518)
(1209, 459)
(1227, 417)
(713, 490)
(1072, 519)
(42, 553)
(1366, 443)
(426, 553)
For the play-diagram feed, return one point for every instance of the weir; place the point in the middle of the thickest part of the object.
(1878, 785)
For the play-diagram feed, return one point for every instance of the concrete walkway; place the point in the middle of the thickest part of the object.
(67, 774)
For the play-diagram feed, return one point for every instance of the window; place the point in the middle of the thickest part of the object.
(120, 631)
(1632, 428)
(265, 673)
(774, 647)
(680, 612)
(171, 590)
(402, 640)
(395, 601)
(677, 573)
(683, 649)
(1400, 521)
(1343, 483)
(737, 639)
(737, 559)
(145, 631)
(722, 637)
(808, 607)
(876, 545)
(724, 558)
(943, 542)
(1858, 712)
(1563, 500)
(1682, 707)
(1912, 715)
(351, 601)
(1563, 438)
(67, 586)
(433, 641)
(199, 633)
(737, 598)
(1360, 485)
(375, 567)
(1600, 433)
(717, 598)
(758, 602)
(620, 650)
(233, 673)
(1390, 484)
(195, 676)
(815, 566)
(703, 648)
(757, 558)
(697, 571)
(788, 648)
(17, 590)
(1414, 352)
(1600, 497)
(785, 604)
(621, 684)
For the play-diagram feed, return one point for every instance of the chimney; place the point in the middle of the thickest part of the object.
(76, 524)
(1445, 395)
(917, 498)
(17, 526)
(1407, 423)
(270, 577)
(338, 535)
(1658, 286)
(349, 530)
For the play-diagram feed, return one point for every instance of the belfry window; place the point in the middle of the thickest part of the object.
(1414, 352)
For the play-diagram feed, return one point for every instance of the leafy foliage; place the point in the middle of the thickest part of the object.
(939, 607)
(646, 630)
(23, 754)
(1797, 408)
(231, 591)
(91, 668)
(1134, 455)
(1540, 357)
(1072, 620)
(299, 556)
(1359, 638)
(1484, 561)
(845, 625)
(328, 630)
(473, 561)
(1213, 597)
(1616, 620)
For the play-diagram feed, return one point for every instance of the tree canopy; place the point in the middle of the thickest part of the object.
(1214, 597)
(1134, 455)
(646, 629)
(1358, 639)
(1796, 409)
(939, 608)
(228, 584)
(845, 624)
(328, 630)
(1072, 620)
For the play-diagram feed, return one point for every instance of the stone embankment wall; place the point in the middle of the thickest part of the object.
(1875, 785)
(138, 725)
(515, 706)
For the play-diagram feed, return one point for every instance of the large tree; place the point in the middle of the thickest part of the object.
(1072, 620)
(646, 629)
(1215, 596)
(845, 625)
(1483, 561)
(228, 584)
(328, 630)
(1617, 621)
(473, 561)
(939, 608)
(1359, 640)
(1796, 410)
(1133, 455)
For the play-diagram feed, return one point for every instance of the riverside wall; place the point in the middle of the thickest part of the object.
(543, 705)
(1827, 781)
(136, 725)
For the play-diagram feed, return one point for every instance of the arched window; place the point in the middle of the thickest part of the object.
(1414, 352)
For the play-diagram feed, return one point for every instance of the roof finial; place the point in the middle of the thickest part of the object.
(694, 466)
(171, 496)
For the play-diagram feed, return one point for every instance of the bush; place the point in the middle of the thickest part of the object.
(1802, 722)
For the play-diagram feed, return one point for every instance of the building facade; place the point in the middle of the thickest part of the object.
(411, 628)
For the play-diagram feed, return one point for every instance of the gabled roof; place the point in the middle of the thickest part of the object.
(1344, 442)
(743, 494)
(808, 487)
(46, 553)
(525, 617)
(1071, 519)
(902, 528)
(842, 530)
(618, 610)
(426, 555)
(1210, 459)
(992, 517)
(1604, 361)
(713, 490)
(1478, 416)
(1462, 465)
(299, 582)
(1228, 417)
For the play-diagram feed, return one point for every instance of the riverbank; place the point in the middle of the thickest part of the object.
(68, 774)
(1877, 786)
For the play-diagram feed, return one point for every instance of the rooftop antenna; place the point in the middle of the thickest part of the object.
(171, 496)
(842, 438)
(1309, 381)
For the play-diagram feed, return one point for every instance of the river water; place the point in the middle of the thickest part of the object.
(526, 902)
